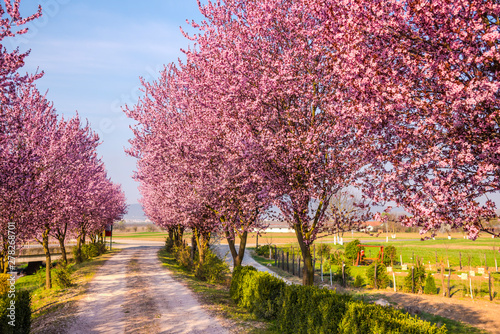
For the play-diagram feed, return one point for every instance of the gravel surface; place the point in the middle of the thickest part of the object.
(133, 293)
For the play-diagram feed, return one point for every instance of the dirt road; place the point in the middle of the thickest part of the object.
(133, 293)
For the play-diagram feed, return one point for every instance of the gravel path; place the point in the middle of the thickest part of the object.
(223, 251)
(133, 293)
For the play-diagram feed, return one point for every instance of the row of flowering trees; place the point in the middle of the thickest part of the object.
(52, 183)
(289, 102)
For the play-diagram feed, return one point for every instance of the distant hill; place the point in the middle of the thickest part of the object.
(135, 213)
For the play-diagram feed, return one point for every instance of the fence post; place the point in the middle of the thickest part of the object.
(257, 241)
(449, 288)
(412, 279)
(287, 263)
(298, 258)
(375, 275)
(394, 280)
(275, 256)
(460, 259)
(470, 284)
(485, 263)
(442, 279)
(489, 285)
(293, 264)
(321, 271)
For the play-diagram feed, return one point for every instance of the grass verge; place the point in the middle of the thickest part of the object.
(217, 299)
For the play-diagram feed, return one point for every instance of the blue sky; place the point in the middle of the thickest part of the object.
(93, 53)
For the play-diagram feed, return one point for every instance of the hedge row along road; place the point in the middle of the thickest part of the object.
(132, 293)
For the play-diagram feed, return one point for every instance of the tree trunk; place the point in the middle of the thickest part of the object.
(63, 250)
(308, 270)
(61, 236)
(193, 247)
(178, 233)
(202, 240)
(78, 253)
(237, 255)
(45, 244)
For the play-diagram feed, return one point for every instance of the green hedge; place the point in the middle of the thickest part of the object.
(239, 274)
(308, 309)
(259, 292)
(370, 318)
(21, 314)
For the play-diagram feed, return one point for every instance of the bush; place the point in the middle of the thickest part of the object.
(430, 285)
(260, 293)
(239, 275)
(337, 257)
(264, 251)
(352, 249)
(308, 309)
(323, 251)
(369, 318)
(22, 313)
(40, 276)
(169, 244)
(382, 278)
(358, 282)
(419, 276)
(62, 277)
(91, 250)
(390, 254)
(213, 269)
(337, 276)
(183, 256)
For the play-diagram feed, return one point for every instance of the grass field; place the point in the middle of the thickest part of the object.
(457, 253)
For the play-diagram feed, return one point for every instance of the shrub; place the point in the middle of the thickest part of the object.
(337, 276)
(62, 277)
(88, 252)
(40, 276)
(323, 251)
(264, 251)
(22, 313)
(91, 250)
(390, 254)
(169, 244)
(352, 249)
(337, 257)
(308, 309)
(260, 292)
(369, 318)
(382, 278)
(183, 256)
(239, 275)
(358, 282)
(419, 277)
(430, 285)
(213, 269)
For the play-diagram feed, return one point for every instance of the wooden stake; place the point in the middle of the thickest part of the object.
(489, 286)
